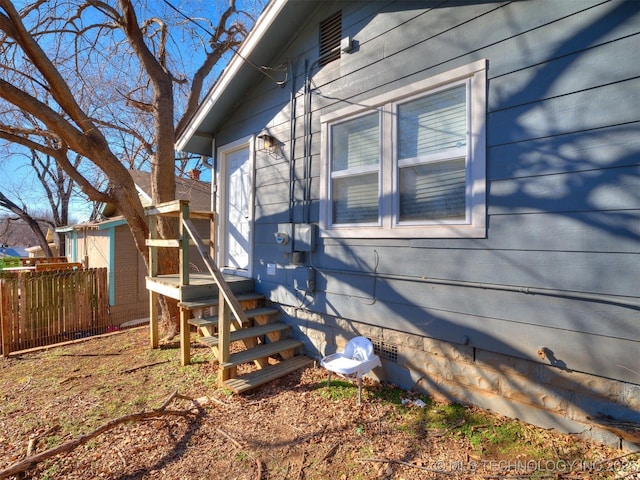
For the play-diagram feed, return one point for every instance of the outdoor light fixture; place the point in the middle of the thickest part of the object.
(267, 143)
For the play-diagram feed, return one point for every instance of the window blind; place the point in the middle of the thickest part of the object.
(356, 143)
(433, 191)
(432, 124)
(355, 154)
(355, 199)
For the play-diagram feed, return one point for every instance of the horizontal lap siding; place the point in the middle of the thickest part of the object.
(438, 304)
(564, 209)
(563, 203)
(570, 271)
(572, 152)
(593, 190)
(611, 104)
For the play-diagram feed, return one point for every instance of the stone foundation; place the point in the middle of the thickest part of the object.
(537, 393)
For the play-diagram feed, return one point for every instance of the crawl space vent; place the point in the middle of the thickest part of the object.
(385, 351)
(330, 36)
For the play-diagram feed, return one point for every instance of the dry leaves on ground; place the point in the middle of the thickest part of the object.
(290, 429)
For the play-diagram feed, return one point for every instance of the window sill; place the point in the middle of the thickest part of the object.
(426, 232)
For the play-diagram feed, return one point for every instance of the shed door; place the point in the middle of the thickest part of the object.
(237, 210)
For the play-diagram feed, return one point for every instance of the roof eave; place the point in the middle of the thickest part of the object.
(196, 139)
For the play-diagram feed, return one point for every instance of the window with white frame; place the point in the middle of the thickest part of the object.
(410, 163)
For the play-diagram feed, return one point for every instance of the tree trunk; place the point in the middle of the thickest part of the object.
(30, 221)
(163, 185)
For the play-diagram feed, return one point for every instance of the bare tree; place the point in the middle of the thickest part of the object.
(50, 183)
(22, 213)
(87, 71)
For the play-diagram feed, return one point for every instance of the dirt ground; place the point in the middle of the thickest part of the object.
(293, 428)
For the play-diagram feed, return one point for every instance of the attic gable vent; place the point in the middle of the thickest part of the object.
(330, 36)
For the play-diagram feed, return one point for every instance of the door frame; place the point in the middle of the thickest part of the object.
(221, 204)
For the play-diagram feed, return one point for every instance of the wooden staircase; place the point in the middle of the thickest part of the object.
(242, 318)
(263, 340)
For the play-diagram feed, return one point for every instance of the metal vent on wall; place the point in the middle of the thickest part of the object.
(330, 36)
(385, 351)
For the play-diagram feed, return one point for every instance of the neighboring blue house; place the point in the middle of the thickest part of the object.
(459, 181)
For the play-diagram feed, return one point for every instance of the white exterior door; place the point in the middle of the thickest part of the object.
(236, 208)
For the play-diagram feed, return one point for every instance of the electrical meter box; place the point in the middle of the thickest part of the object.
(284, 236)
(304, 237)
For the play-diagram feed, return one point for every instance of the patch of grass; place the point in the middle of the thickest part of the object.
(91, 445)
(453, 415)
(29, 423)
(200, 357)
(388, 393)
(243, 456)
(54, 353)
(226, 392)
(140, 402)
(339, 390)
(209, 381)
(51, 441)
(190, 374)
(489, 435)
(357, 476)
(50, 473)
(10, 408)
(127, 343)
(365, 451)
(162, 354)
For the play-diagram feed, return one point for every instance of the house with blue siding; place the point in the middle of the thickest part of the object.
(458, 181)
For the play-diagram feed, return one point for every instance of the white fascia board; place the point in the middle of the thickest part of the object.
(144, 195)
(255, 36)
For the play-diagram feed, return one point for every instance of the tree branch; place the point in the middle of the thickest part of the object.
(69, 445)
(77, 139)
(129, 24)
(61, 157)
(5, 202)
(57, 86)
(219, 48)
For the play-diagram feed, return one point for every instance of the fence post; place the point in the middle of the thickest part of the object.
(9, 311)
(4, 332)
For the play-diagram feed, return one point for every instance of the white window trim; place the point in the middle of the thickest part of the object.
(354, 171)
(475, 225)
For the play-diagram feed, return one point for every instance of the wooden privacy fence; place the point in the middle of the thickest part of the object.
(43, 308)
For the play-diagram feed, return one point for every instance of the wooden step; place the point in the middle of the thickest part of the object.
(246, 333)
(213, 301)
(251, 313)
(203, 322)
(261, 311)
(261, 351)
(267, 374)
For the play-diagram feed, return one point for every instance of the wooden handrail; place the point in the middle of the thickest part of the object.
(226, 292)
(31, 261)
(226, 303)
